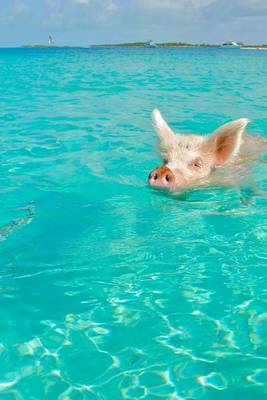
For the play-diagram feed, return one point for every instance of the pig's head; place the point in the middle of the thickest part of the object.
(188, 159)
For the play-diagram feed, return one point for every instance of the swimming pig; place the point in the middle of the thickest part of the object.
(189, 160)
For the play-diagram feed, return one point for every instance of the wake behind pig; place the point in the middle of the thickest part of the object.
(192, 160)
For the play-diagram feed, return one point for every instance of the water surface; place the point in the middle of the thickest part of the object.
(111, 290)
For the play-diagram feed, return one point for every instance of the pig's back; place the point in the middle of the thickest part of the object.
(252, 148)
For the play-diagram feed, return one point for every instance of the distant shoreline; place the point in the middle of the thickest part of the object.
(158, 45)
(138, 45)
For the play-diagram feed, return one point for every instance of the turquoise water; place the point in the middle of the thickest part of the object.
(109, 289)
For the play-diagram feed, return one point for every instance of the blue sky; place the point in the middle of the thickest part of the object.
(83, 22)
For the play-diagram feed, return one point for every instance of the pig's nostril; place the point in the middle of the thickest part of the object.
(153, 176)
(168, 178)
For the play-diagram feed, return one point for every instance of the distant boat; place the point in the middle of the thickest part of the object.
(150, 43)
(50, 40)
(230, 45)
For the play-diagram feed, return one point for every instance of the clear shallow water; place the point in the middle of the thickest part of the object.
(108, 289)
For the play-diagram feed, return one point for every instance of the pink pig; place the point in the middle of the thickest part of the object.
(190, 159)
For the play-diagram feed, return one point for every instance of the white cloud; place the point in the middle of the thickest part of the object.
(14, 10)
(107, 12)
(173, 4)
(112, 7)
(21, 8)
(80, 1)
(80, 14)
(154, 4)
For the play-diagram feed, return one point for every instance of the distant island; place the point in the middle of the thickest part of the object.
(136, 45)
(146, 44)
(172, 45)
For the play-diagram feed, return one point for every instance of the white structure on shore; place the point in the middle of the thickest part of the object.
(150, 43)
(230, 45)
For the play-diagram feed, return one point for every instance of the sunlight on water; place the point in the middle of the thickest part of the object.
(110, 289)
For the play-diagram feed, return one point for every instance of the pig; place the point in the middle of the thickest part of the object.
(190, 160)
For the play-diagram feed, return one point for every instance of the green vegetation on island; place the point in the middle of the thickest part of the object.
(145, 44)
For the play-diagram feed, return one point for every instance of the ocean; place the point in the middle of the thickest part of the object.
(110, 289)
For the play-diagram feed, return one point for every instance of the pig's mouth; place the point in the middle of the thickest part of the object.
(163, 178)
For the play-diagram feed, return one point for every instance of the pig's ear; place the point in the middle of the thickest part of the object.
(225, 141)
(163, 130)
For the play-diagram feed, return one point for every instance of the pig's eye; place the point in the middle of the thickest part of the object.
(197, 163)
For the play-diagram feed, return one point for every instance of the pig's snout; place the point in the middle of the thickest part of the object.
(161, 177)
